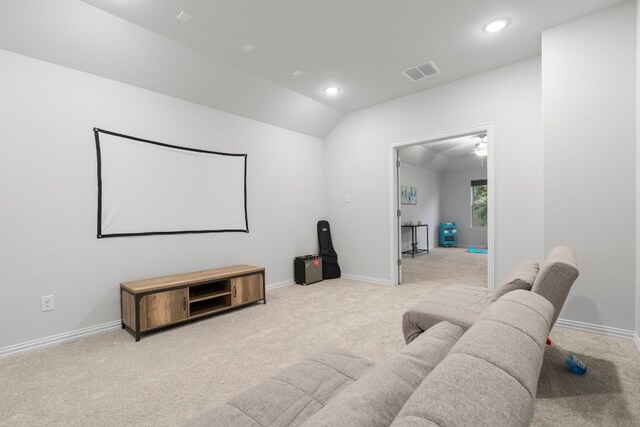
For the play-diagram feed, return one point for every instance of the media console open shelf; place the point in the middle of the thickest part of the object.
(155, 303)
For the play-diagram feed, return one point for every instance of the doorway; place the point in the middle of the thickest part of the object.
(442, 186)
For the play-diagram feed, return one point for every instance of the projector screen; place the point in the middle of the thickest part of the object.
(147, 187)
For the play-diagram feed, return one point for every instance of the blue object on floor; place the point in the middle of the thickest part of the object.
(477, 251)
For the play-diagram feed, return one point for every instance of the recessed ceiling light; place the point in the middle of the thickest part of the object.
(497, 25)
(297, 73)
(184, 16)
(331, 90)
(248, 47)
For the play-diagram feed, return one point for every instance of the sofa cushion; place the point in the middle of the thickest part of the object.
(490, 376)
(291, 396)
(557, 274)
(376, 398)
(521, 277)
(457, 304)
(518, 315)
(466, 391)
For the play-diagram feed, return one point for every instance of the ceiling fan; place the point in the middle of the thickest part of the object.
(480, 149)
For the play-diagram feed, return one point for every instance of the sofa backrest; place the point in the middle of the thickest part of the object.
(557, 273)
(490, 376)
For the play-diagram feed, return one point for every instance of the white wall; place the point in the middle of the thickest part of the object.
(357, 162)
(80, 36)
(637, 175)
(427, 208)
(49, 196)
(455, 206)
(588, 75)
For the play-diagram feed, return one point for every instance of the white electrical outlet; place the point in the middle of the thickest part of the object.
(48, 303)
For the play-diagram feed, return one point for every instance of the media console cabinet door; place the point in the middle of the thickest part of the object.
(163, 308)
(246, 289)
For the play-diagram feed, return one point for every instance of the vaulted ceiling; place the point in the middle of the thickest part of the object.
(361, 46)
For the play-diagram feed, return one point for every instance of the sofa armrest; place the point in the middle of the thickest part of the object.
(457, 304)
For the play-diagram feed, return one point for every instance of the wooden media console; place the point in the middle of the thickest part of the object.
(150, 304)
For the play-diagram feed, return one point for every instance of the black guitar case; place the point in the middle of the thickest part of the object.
(330, 267)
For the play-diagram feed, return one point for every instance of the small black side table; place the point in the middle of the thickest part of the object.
(414, 239)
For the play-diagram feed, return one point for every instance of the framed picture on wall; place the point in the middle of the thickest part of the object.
(408, 195)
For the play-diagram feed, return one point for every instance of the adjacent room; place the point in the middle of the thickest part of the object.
(319, 213)
(444, 210)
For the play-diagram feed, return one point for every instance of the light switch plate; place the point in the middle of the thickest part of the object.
(48, 302)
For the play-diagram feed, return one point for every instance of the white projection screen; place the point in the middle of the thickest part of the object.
(147, 187)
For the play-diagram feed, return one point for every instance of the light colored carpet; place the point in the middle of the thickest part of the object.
(110, 380)
(445, 263)
(607, 395)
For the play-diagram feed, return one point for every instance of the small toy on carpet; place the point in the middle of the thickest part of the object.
(569, 359)
(477, 251)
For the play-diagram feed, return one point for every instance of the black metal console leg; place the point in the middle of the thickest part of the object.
(414, 244)
(427, 238)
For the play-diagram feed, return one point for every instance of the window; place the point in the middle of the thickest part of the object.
(479, 203)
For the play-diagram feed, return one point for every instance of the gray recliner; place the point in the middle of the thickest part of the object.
(462, 304)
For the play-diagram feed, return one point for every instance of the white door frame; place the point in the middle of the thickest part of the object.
(393, 196)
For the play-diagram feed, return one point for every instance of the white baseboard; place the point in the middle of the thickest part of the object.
(375, 280)
(56, 339)
(116, 324)
(599, 329)
(84, 332)
(279, 284)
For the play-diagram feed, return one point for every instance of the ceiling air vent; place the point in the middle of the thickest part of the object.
(421, 71)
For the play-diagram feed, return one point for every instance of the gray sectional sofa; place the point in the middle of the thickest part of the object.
(486, 376)
(462, 304)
